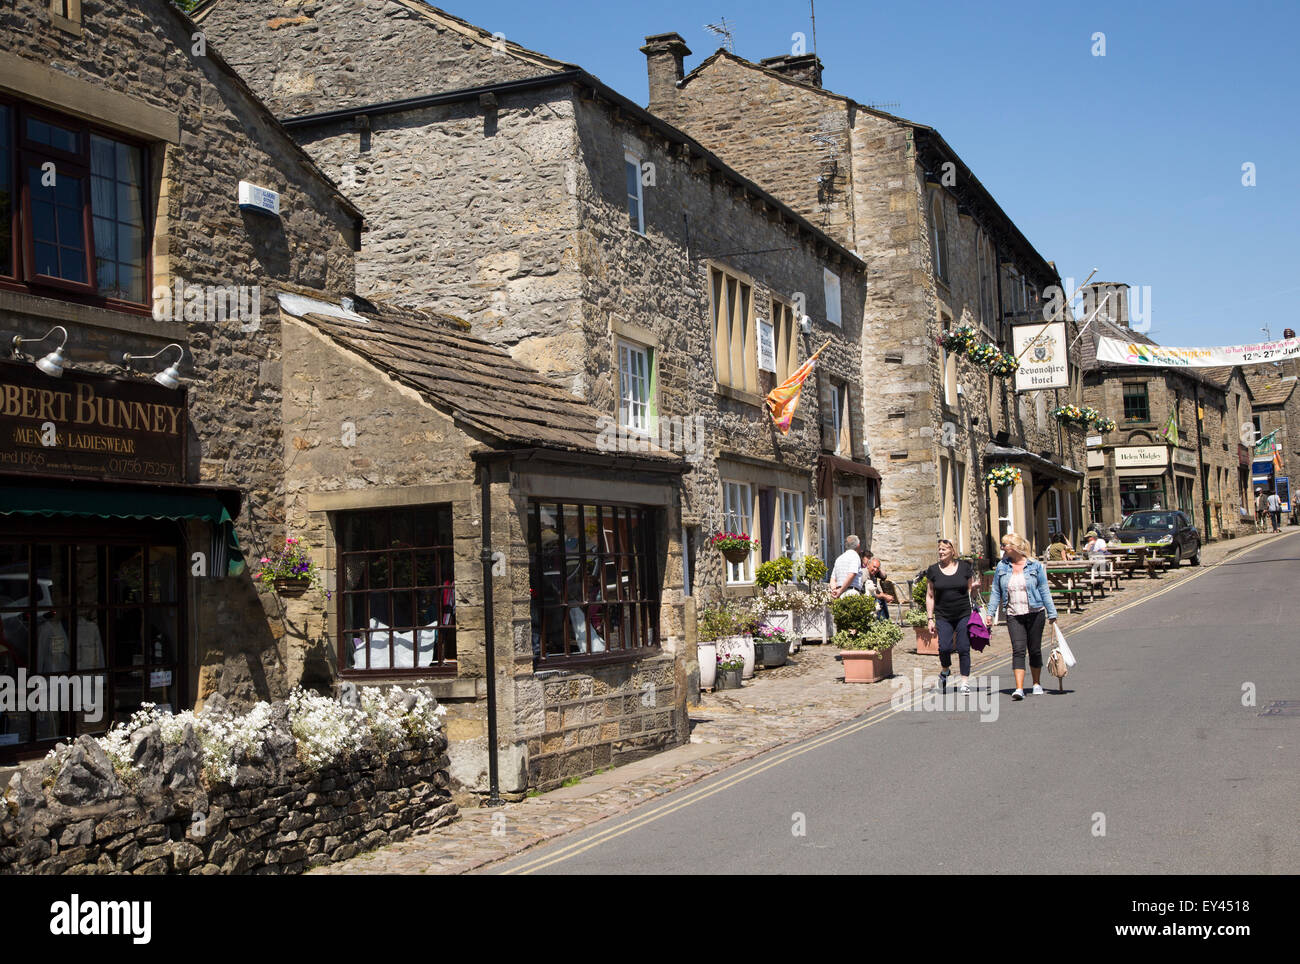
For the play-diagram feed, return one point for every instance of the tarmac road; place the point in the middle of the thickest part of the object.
(1148, 762)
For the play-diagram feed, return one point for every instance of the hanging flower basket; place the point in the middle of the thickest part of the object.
(1004, 365)
(959, 340)
(1002, 476)
(982, 354)
(289, 570)
(1104, 425)
(735, 547)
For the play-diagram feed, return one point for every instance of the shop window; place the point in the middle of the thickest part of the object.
(396, 590)
(738, 517)
(107, 614)
(635, 197)
(81, 224)
(593, 579)
(634, 386)
(735, 361)
(1137, 408)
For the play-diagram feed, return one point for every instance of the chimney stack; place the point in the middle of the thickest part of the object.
(805, 68)
(664, 53)
(1116, 308)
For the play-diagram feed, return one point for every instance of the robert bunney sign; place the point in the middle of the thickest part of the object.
(90, 426)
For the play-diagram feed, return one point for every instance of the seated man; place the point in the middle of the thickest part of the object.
(880, 587)
(1095, 549)
(846, 574)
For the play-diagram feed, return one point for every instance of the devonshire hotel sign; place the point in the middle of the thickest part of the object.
(90, 426)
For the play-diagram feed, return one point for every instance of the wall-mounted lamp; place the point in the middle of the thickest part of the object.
(170, 377)
(51, 364)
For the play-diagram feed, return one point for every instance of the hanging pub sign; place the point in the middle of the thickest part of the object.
(1041, 350)
(90, 426)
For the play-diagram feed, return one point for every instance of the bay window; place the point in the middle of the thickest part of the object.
(593, 580)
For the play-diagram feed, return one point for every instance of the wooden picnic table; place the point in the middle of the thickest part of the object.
(1075, 575)
(1132, 557)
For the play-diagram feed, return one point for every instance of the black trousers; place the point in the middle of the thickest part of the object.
(1027, 634)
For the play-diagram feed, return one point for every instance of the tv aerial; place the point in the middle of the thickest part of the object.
(723, 29)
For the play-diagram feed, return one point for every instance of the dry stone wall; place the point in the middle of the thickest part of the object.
(274, 816)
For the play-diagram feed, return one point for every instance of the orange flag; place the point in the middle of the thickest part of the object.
(784, 399)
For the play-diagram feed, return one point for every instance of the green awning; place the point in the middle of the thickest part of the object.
(118, 504)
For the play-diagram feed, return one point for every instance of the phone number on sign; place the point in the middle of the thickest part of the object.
(142, 467)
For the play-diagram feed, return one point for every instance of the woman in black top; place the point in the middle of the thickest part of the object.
(948, 585)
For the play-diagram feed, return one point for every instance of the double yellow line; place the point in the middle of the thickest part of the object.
(781, 756)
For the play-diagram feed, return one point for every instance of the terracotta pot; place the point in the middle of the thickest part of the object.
(867, 665)
(292, 586)
(927, 643)
(729, 679)
(707, 654)
(736, 556)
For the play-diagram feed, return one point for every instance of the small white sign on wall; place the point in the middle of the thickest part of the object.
(766, 346)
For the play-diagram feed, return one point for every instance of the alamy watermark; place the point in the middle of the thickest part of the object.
(672, 433)
(53, 694)
(183, 301)
(925, 694)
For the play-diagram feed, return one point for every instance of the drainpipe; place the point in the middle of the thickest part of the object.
(489, 636)
(1200, 464)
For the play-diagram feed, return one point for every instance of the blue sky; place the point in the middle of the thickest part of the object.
(1129, 162)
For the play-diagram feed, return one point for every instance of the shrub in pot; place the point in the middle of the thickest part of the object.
(927, 643)
(866, 643)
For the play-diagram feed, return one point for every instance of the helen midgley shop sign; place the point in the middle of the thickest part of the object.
(1141, 456)
(90, 426)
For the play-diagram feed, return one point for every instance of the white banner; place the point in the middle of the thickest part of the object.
(1131, 353)
(1041, 350)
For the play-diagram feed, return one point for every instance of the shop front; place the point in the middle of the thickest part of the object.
(1141, 478)
(100, 541)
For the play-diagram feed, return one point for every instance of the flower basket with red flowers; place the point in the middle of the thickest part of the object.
(289, 570)
(734, 547)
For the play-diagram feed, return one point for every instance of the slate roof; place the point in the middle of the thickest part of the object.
(1269, 389)
(481, 386)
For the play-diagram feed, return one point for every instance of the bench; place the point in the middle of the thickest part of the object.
(1073, 598)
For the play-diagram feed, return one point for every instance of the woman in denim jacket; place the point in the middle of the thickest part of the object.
(1021, 582)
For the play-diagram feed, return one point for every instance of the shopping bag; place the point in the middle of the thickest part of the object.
(1064, 647)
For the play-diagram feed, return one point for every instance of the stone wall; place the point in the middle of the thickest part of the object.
(141, 52)
(275, 816)
(307, 56)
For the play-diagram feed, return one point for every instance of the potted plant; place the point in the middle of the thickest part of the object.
(289, 570)
(734, 547)
(713, 624)
(742, 642)
(814, 619)
(866, 644)
(731, 669)
(927, 643)
(771, 646)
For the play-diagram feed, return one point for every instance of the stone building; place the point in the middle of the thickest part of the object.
(941, 253)
(1177, 440)
(1275, 408)
(596, 243)
(415, 451)
(123, 145)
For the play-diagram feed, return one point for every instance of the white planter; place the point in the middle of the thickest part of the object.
(740, 646)
(784, 620)
(814, 624)
(707, 654)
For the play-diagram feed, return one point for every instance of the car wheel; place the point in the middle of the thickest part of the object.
(1196, 556)
(1178, 557)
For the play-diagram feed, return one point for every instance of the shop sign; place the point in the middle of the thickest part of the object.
(1185, 458)
(1141, 456)
(1042, 353)
(1096, 460)
(1243, 454)
(90, 426)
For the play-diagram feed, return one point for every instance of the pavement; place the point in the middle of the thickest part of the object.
(790, 713)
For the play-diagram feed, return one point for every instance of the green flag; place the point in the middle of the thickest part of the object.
(1171, 430)
(1265, 445)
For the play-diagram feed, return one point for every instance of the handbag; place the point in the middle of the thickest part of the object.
(1057, 667)
(975, 629)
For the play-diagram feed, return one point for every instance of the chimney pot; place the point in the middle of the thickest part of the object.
(664, 54)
